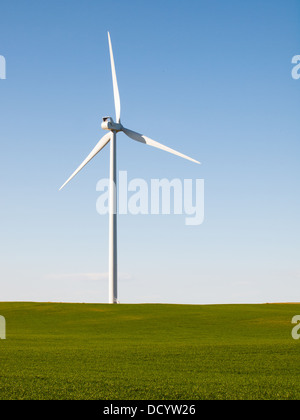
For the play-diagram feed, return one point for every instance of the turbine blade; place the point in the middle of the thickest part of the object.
(143, 139)
(103, 142)
(115, 83)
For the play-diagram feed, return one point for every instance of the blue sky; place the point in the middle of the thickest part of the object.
(209, 78)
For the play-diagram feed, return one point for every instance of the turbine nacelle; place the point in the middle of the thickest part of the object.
(109, 124)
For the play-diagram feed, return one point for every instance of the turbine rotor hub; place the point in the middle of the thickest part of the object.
(109, 124)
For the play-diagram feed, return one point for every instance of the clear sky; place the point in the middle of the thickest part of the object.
(209, 78)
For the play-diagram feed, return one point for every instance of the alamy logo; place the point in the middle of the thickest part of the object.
(2, 67)
(160, 196)
(295, 330)
(2, 328)
(296, 69)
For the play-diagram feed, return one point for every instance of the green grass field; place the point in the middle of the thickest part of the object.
(148, 352)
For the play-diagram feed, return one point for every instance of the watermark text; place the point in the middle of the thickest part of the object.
(2, 328)
(295, 330)
(296, 69)
(2, 67)
(159, 196)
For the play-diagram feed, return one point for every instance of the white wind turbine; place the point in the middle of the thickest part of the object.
(113, 128)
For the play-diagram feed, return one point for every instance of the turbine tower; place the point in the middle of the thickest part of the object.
(113, 128)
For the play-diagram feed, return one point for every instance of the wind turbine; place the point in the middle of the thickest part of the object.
(113, 128)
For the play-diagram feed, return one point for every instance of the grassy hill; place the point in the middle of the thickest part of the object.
(93, 351)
